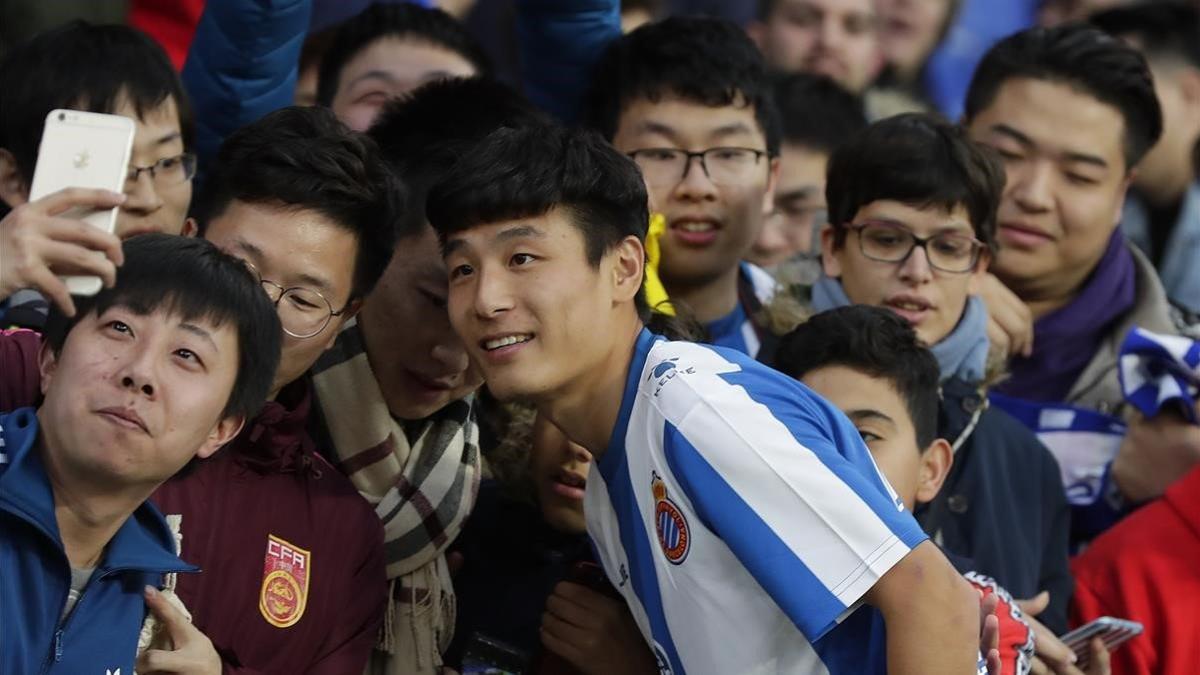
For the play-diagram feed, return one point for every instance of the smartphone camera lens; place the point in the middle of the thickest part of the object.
(62, 116)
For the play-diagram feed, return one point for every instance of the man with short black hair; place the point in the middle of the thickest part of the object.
(708, 464)
(817, 116)
(690, 101)
(165, 366)
(389, 50)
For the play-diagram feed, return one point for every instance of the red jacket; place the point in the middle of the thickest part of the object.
(1147, 569)
(292, 569)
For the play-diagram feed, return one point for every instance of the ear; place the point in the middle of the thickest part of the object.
(1119, 207)
(224, 431)
(829, 262)
(772, 183)
(47, 364)
(757, 30)
(628, 263)
(935, 466)
(977, 275)
(13, 188)
(351, 311)
(191, 228)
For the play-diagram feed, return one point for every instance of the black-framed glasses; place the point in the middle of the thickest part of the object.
(888, 242)
(167, 171)
(662, 167)
(303, 312)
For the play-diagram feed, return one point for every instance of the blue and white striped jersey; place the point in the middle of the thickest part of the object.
(742, 518)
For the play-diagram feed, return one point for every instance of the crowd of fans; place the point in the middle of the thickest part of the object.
(698, 341)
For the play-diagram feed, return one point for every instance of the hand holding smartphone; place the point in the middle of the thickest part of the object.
(1114, 633)
(83, 150)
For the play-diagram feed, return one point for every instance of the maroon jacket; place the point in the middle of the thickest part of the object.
(291, 555)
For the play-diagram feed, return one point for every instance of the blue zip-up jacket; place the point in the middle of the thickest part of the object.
(100, 634)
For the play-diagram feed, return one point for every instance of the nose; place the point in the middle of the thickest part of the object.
(772, 241)
(830, 33)
(492, 296)
(141, 196)
(136, 374)
(695, 185)
(915, 268)
(1030, 186)
(450, 353)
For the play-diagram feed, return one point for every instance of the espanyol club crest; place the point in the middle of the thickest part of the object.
(286, 569)
(672, 527)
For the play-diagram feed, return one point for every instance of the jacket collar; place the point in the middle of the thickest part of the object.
(143, 543)
(1098, 386)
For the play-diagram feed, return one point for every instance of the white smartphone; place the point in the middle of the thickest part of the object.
(88, 150)
(1114, 633)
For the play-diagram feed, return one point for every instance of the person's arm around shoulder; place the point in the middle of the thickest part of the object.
(931, 613)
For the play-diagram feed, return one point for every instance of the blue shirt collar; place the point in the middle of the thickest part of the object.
(143, 543)
(614, 455)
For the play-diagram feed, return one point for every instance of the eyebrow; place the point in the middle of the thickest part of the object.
(372, 75)
(305, 279)
(798, 193)
(868, 414)
(1070, 156)
(200, 333)
(167, 138)
(518, 232)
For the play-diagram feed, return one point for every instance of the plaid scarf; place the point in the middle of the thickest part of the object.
(422, 477)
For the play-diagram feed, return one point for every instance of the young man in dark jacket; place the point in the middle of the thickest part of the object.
(916, 242)
(164, 367)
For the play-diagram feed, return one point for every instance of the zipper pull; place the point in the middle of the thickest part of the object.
(58, 649)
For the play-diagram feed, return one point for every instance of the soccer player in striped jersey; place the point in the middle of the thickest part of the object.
(739, 515)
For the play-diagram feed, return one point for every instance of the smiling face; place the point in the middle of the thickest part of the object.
(533, 313)
(418, 359)
(387, 68)
(560, 470)
(710, 227)
(293, 249)
(932, 301)
(131, 398)
(1063, 156)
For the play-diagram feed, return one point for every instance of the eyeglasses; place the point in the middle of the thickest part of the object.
(167, 171)
(662, 167)
(890, 243)
(303, 312)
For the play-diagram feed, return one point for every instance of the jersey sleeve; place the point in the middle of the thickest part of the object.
(786, 482)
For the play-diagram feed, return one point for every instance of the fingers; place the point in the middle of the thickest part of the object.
(1039, 667)
(178, 627)
(1035, 605)
(994, 666)
(85, 235)
(991, 634)
(68, 259)
(563, 607)
(56, 203)
(563, 638)
(1100, 661)
(53, 288)
(161, 661)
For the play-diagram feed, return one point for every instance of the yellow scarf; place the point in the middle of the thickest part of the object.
(656, 293)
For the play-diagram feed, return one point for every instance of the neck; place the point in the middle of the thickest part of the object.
(88, 515)
(708, 300)
(587, 412)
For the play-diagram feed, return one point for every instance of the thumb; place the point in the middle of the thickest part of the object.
(1035, 605)
(175, 622)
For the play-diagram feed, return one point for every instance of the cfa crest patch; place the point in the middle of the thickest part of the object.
(286, 571)
(672, 527)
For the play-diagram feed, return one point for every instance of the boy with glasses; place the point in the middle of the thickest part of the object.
(108, 69)
(690, 102)
(912, 206)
